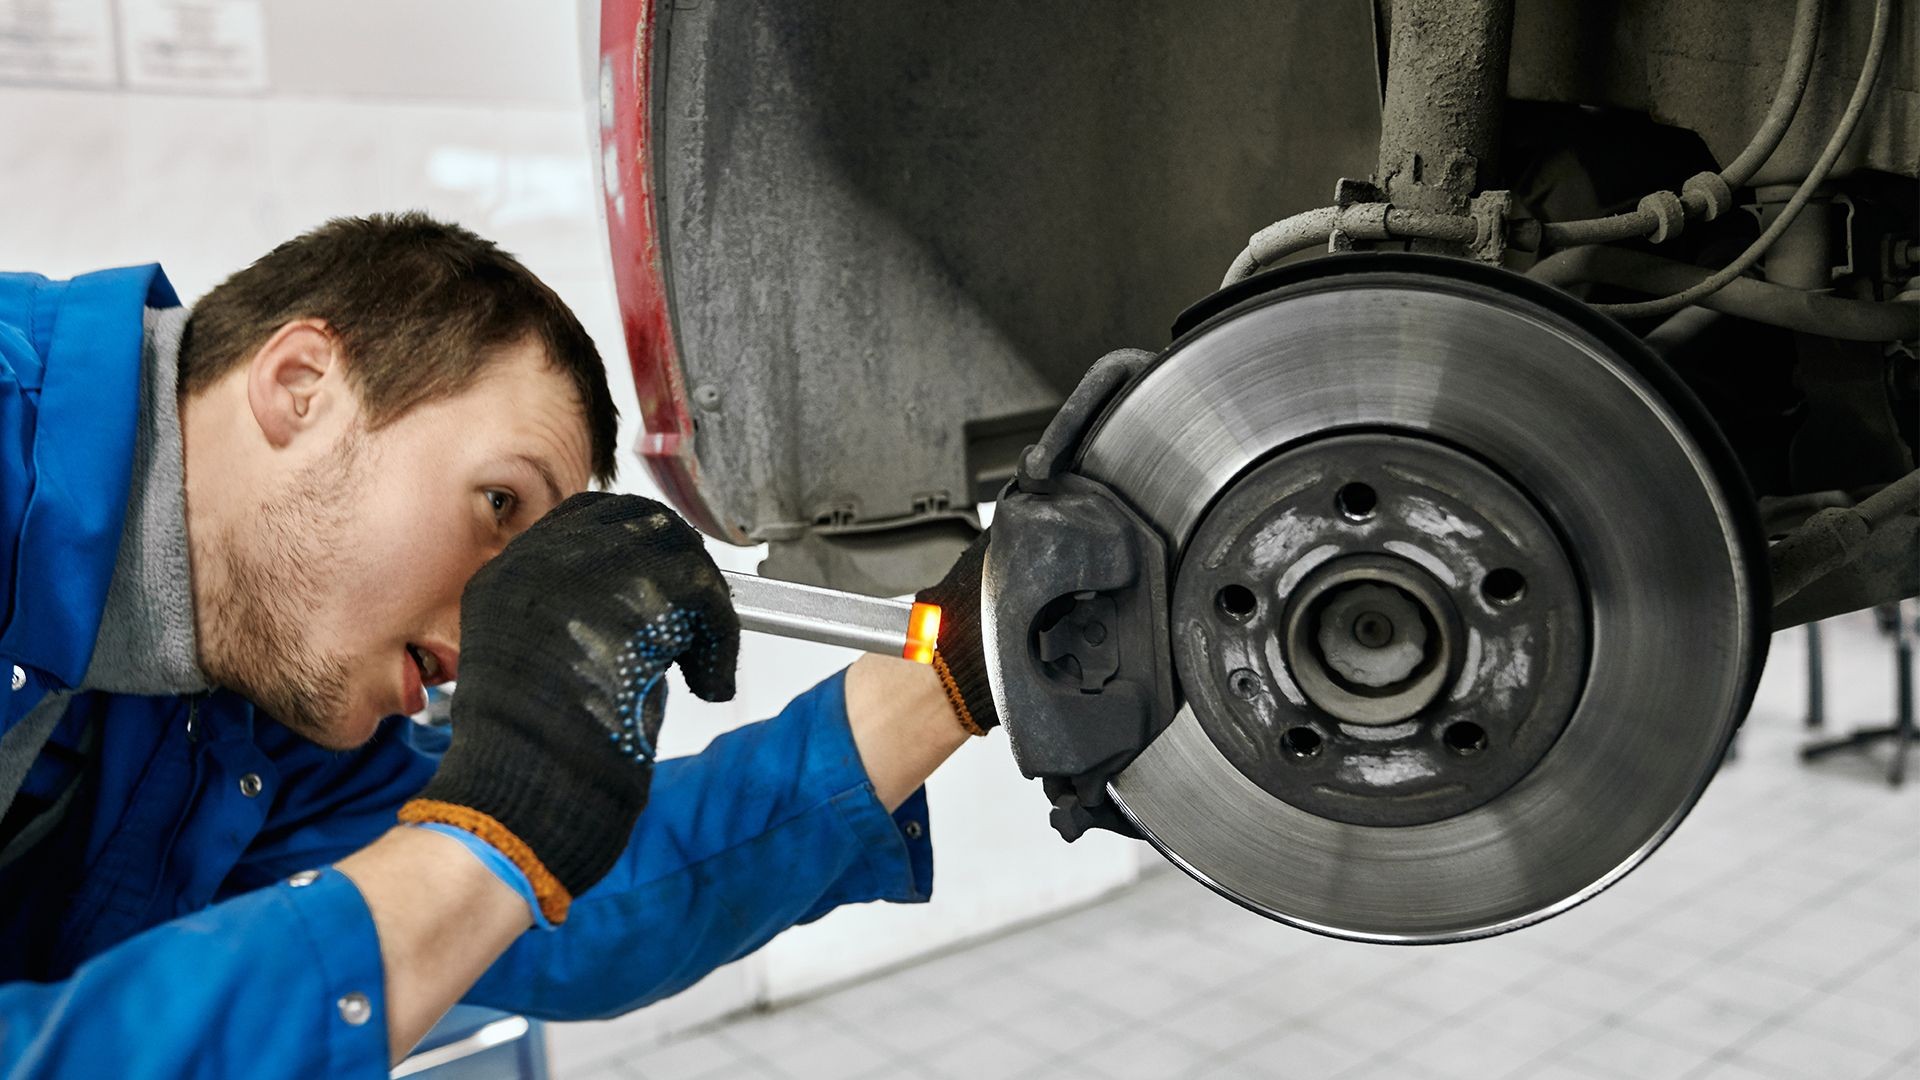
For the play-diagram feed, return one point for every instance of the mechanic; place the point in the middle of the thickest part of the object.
(239, 543)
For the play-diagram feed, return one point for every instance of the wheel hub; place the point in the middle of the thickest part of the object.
(1428, 648)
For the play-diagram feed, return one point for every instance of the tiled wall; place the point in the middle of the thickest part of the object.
(473, 120)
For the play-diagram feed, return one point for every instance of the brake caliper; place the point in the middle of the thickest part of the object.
(1076, 585)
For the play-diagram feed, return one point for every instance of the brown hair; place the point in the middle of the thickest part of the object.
(420, 308)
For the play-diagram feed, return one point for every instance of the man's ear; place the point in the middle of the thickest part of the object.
(288, 384)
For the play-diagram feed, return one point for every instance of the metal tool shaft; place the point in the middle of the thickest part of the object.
(828, 616)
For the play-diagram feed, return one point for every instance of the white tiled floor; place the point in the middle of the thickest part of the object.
(1776, 937)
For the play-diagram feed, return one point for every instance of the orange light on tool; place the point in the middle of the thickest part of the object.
(923, 632)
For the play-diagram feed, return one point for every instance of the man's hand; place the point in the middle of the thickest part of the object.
(959, 656)
(565, 641)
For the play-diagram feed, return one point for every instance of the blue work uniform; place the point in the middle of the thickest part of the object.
(180, 917)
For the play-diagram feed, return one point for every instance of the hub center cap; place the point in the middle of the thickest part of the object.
(1370, 639)
(1388, 652)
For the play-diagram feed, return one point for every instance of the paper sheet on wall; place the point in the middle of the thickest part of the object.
(209, 46)
(57, 42)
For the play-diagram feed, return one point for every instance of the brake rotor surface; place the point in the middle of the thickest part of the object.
(1467, 600)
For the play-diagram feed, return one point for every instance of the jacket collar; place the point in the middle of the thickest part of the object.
(146, 643)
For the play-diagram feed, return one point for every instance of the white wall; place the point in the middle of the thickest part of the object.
(471, 111)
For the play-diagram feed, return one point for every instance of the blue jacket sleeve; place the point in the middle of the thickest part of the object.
(772, 825)
(282, 982)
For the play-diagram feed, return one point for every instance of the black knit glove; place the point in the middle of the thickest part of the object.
(565, 639)
(959, 656)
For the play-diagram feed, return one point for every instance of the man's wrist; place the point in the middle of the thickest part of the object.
(497, 864)
(446, 801)
(441, 918)
(902, 723)
(434, 864)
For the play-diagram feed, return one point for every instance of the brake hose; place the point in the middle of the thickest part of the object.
(1862, 89)
(1659, 215)
(1709, 195)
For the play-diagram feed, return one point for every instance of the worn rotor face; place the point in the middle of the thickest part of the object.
(1464, 618)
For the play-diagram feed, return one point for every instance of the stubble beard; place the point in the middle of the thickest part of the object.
(276, 567)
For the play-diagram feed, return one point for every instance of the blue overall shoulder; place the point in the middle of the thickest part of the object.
(69, 398)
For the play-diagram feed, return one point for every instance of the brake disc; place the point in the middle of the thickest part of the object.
(1468, 599)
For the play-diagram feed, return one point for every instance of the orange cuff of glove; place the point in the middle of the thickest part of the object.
(553, 896)
(955, 698)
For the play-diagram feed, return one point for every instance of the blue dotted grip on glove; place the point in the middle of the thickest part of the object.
(642, 663)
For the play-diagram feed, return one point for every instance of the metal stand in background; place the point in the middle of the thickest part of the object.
(1816, 680)
(1892, 620)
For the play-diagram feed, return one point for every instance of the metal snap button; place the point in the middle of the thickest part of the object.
(250, 785)
(19, 677)
(913, 830)
(304, 878)
(355, 1009)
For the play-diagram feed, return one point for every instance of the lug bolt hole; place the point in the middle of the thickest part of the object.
(1465, 737)
(1356, 501)
(1236, 602)
(1244, 682)
(1300, 742)
(1504, 586)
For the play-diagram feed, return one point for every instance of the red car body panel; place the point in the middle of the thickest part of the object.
(627, 57)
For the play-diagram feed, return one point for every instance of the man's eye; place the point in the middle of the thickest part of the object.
(502, 503)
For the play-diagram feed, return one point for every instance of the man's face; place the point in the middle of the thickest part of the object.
(342, 592)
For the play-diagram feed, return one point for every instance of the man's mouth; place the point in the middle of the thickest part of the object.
(427, 662)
